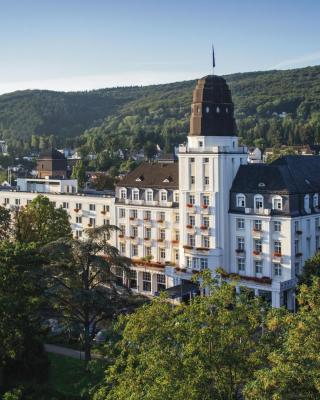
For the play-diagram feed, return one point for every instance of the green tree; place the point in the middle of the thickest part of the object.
(292, 370)
(19, 302)
(5, 223)
(40, 222)
(82, 277)
(79, 173)
(206, 350)
(311, 269)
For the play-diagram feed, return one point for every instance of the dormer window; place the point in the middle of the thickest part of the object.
(163, 195)
(167, 179)
(315, 200)
(135, 194)
(307, 203)
(277, 203)
(227, 110)
(261, 184)
(139, 179)
(218, 110)
(149, 195)
(207, 109)
(258, 202)
(123, 194)
(241, 200)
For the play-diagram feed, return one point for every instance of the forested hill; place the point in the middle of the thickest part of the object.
(272, 107)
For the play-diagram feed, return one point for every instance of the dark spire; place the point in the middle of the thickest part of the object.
(213, 59)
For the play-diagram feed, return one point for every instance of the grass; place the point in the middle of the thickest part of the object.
(68, 376)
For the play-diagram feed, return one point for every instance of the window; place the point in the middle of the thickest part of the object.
(134, 214)
(162, 234)
(206, 241)
(258, 202)
(207, 109)
(105, 208)
(188, 262)
(6, 201)
(317, 243)
(177, 218)
(134, 250)
(133, 281)
(306, 202)
(162, 253)
(176, 197)
(191, 240)
(277, 247)
(240, 223)
(147, 215)
(146, 282)
(191, 199)
(149, 195)
(135, 194)
(192, 180)
(258, 245)
(92, 222)
(315, 200)
(123, 194)
(78, 234)
(78, 206)
(17, 201)
(206, 160)
(277, 226)
(122, 229)
(79, 220)
(205, 221)
(296, 226)
(122, 213)
(65, 205)
(297, 246)
(122, 248)
(218, 110)
(200, 144)
(192, 220)
(258, 267)
(163, 195)
(206, 180)
(277, 269)
(277, 203)
(192, 159)
(147, 251)
(161, 282)
(240, 243)
(134, 231)
(205, 200)
(241, 263)
(162, 216)
(177, 236)
(241, 200)
(92, 207)
(176, 255)
(257, 225)
(52, 202)
(147, 233)
(203, 263)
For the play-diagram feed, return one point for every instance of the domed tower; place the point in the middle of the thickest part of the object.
(212, 110)
(208, 163)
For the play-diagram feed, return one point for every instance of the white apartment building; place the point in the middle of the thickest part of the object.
(208, 209)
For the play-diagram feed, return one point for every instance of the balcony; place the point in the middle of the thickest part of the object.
(298, 255)
(190, 226)
(187, 247)
(175, 242)
(240, 251)
(298, 232)
(276, 256)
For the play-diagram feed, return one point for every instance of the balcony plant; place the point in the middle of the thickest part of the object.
(160, 221)
(205, 206)
(276, 254)
(203, 227)
(239, 250)
(189, 205)
(189, 226)
(256, 252)
(103, 212)
(175, 241)
(76, 210)
(131, 218)
(202, 248)
(160, 240)
(188, 247)
(121, 235)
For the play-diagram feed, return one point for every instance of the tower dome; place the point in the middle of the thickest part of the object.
(212, 110)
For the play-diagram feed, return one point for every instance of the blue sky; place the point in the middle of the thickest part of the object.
(85, 44)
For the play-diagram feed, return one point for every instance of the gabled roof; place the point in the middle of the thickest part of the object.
(154, 175)
(289, 174)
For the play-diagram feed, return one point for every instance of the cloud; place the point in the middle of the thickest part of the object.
(308, 59)
(79, 83)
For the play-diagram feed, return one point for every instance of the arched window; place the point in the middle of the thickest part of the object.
(135, 194)
(241, 200)
(307, 203)
(258, 202)
(149, 195)
(277, 203)
(123, 193)
(315, 200)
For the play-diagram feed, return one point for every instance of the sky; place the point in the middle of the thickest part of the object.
(89, 44)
